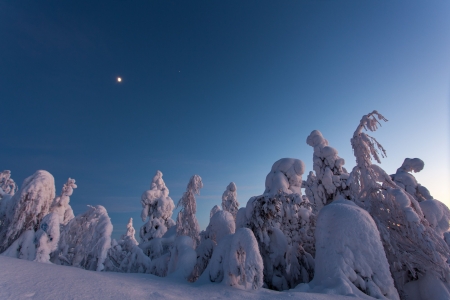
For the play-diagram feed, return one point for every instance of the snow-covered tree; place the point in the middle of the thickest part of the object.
(26, 209)
(61, 204)
(283, 224)
(350, 259)
(412, 247)
(47, 237)
(236, 261)
(157, 209)
(229, 200)
(215, 209)
(85, 240)
(187, 223)
(125, 256)
(330, 178)
(7, 184)
(182, 258)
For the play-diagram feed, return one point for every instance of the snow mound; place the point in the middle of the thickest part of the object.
(350, 258)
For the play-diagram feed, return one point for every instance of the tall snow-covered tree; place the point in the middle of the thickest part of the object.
(157, 209)
(26, 209)
(283, 224)
(330, 178)
(85, 240)
(413, 249)
(187, 223)
(61, 204)
(229, 200)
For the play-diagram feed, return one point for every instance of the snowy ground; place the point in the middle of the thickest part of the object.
(21, 279)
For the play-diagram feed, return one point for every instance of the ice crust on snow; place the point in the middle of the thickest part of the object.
(350, 259)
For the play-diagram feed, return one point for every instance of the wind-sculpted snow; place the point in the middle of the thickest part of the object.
(286, 176)
(85, 240)
(330, 178)
(157, 208)
(25, 210)
(187, 223)
(408, 182)
(229, 200)
(350, 259)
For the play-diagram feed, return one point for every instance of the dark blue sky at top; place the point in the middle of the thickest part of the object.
(221, 89)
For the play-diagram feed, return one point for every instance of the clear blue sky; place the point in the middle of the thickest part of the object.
(221, 89)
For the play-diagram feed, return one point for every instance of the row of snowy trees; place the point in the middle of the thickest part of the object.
(363, 233)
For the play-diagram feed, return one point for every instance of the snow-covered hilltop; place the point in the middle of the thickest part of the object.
(362, 233)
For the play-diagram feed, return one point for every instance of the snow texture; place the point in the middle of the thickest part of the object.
(61, 204)
(229, 200)
(187, 223)
(47, 237)
(350, 259)
(182, 258)
(286, 176)
(7, 184)
(86, 239)
(215, 209)
(157, 209)
(26, 209)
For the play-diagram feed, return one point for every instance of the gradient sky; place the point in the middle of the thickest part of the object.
(221, 89)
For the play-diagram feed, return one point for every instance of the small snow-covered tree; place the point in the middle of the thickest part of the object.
(330, 178)
(236, 261)
(215, 209)
(412, 247)
(187, 223)
(47, 237)
(125, 256)
(85, 240)
(7, 184)
(27, 208)
(350, 259)
(229, 200)
(157, 209)
(61, 204)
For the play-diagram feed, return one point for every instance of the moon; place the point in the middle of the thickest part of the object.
(119, 79)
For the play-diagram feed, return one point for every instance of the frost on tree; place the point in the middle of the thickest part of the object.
(187, 223)
(229, 200)
(157, 209)
(61, 204)
(283, 224)
(350, 259)
(413, 248)
(330, 178)
(85, 240)
(236, 261)
(220, 225)
(125, 256)
(27, 208)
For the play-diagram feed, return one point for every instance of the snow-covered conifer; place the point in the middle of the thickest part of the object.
(229, 200)
(282, 222)
(27, 207)
(125, 256)
(330, 176)
(215, 209)
(47, 237)
(157, 208)
(350, 259)
(7, 184)
(182, 258)
(187, 223)
(413, 248)
(61, 204)
(85, 240)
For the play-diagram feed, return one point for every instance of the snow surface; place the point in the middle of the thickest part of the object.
(22, 279)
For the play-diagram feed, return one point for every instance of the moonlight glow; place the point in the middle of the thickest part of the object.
(119, 79)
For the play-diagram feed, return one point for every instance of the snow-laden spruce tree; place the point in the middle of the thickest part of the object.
(220, 225)
(125, 256)
(283, 224)
(236, 261)
(25, 210)
(157, 209)
(330, 178)
(350, 259)
(7, 184)
(85, 240)
(229, 200)
(215, 209)
(414, 250)
(61, 204)
(187, 223)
